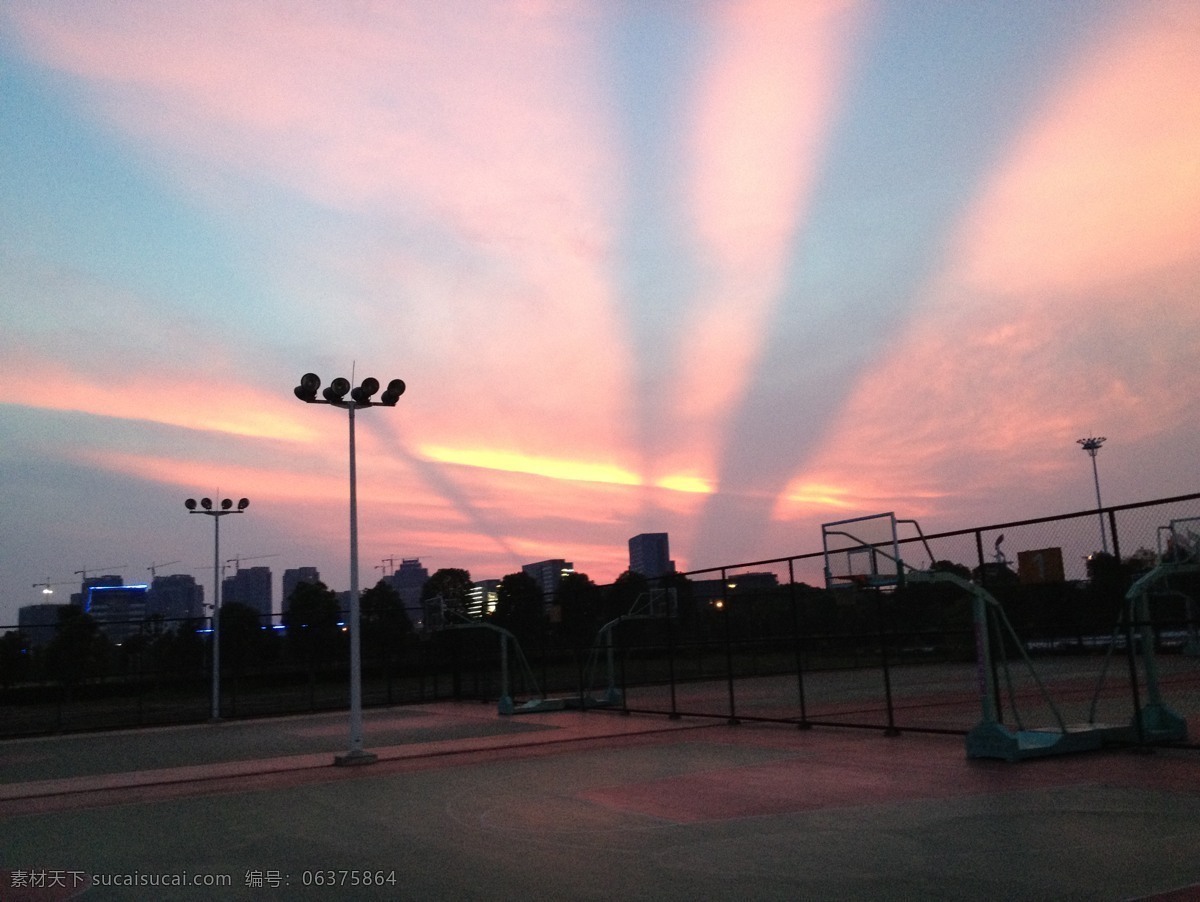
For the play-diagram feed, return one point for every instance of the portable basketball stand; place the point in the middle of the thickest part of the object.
(506, 705)
(1179, 543)
(873, 541)
(651, 605)
(645, 607)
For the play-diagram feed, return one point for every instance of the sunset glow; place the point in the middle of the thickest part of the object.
(571, 471)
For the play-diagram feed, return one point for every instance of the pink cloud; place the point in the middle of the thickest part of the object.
(495, 129)
(1105, 182)
(763, 110)
(762, 113)
(1068, 305)
(150, 397)
(490, 130)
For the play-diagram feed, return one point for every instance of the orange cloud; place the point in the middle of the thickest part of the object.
(685, 482)
(512, 462)
(557, 469)
(263, 483)
(148, 397)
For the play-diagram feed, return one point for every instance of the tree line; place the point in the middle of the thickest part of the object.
(314, 638)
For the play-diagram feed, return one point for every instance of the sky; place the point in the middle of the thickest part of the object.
(726, 270)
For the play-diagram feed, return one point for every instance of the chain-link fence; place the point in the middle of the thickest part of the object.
(1067, 648)
(757, 640)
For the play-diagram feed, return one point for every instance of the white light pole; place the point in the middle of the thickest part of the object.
(1092, 447)
(223, 507)
(360, 397)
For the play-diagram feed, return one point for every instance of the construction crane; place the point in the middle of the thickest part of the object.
(237, 559)
(153, 568)
(388, 563)
(47, 586)
(82, 574)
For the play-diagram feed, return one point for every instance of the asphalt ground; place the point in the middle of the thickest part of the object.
(464, 804)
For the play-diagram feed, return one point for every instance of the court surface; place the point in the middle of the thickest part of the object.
(463, 804)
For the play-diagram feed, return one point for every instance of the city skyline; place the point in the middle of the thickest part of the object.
(261, 581)
(720, 270)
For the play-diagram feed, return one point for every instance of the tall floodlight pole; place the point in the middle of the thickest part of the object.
(335, 394)
(221, 509)
(1092, 447)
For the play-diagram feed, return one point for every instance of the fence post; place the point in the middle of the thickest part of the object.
(624, 681)
(674, 715)
(733, 719)
(142, 644)
(581, 677)
(1131, 634)
(797, 644)
(891, 729)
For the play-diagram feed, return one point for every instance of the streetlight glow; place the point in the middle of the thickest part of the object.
(360, 397)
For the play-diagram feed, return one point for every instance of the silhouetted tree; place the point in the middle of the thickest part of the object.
(133, 652)
(312, 623)
(78, 649)
(627, 591)
(183, 649)
(940, 613)
(519, 606)
(14, 658)
(578, 601)
(951, 567)
(453, 586)
(241, 636)
(385, 623)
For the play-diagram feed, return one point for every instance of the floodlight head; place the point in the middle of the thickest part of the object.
(226, 503)
(337, 389)
(363, 393)
(243, 504)
(190, 504)
(306, 391)
(206, 503)
(394, 390)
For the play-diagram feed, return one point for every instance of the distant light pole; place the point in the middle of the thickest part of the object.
(224, 507)
(360, 397)
(1092, 447)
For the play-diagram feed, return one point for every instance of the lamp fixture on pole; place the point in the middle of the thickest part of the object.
(1092, 447)
(360, 397)
(223, 507)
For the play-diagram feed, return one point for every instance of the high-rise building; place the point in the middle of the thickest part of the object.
(483, 598)
(250, 586)
(292, 578)
(119, 611)
(650, 555)
(81, 599)
(408, 581)
(175, 598)
(548, 574)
